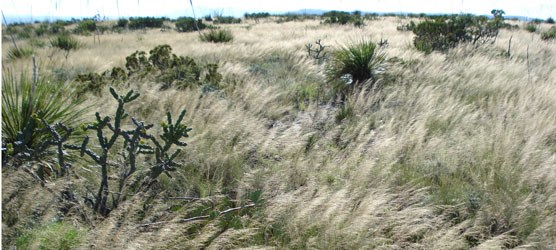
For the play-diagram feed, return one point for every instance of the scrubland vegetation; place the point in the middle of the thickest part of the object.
(345, 131)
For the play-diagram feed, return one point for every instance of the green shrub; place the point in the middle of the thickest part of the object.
(65, 42)
(227, 20)
(343, 18)
(407, 27)
(445, 32)
(550, 20)
(178, 71)
(187, 24)
(122, 23)
(290, 17)
(20, 52)
(550, 34)
(137, 62)
(145, 22)
(531, 27)
(355, 63)
(90, 82)
(23, 102)
(217, 36)
(161, 57)
(256, 15)
(42, 29)
(86, 27)
(337, 17)
(57, 27)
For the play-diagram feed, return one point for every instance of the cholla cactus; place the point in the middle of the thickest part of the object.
(173, 133)
(134, 145)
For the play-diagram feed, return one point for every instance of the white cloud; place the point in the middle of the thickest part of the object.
(114, 8)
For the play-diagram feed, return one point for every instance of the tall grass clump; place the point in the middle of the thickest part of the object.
(217, 36)
(25, 102)
(354, 64)
(550, 34)
(15, 53)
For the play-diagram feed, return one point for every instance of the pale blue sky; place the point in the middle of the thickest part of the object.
(26, 10)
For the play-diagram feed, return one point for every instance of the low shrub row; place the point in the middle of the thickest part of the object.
(445, 32)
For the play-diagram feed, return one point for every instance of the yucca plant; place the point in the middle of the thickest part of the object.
(25, 103)
(217, 36)
(354, 64)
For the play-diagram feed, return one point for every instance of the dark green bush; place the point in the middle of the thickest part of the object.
(138, 63)
(445, 32)
(145, 22)
(94, 82)
(57, 27)
(407, 27)
(337, 17)
(536, 21)
(343, 18)
(185, 73)
(90, 82)
(171, 70)
(550, 34)
(161, 57)
(42, 29)
(86, 27)
(227, 20)
(291, 17)
(122, 23)
(531, 27)
(256, 15)
(550, 20)
(65, 42)
(217, 36)
(188, 24)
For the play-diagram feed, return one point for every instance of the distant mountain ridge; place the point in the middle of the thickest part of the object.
(320, 12)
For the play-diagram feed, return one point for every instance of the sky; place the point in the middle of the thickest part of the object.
(30, 10)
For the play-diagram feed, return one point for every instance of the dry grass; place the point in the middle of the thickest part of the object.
(455, 151)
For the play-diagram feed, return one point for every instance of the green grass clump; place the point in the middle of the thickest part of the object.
(550, 34)
(15, 53)
(217, 36)
(57, 235)
(25, 101)
(531, 27)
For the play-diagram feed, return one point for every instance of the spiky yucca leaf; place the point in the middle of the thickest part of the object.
(23, 102)
(357, 61)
